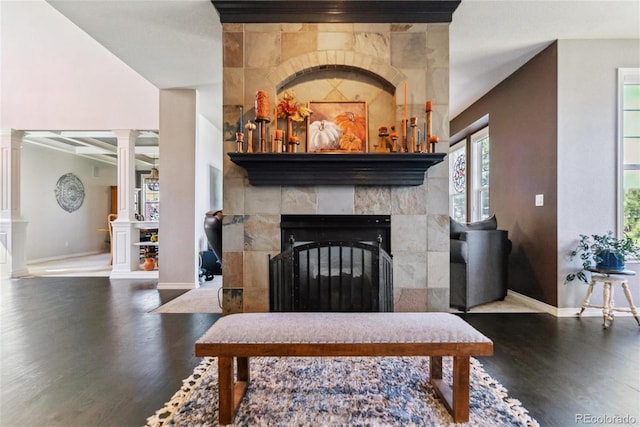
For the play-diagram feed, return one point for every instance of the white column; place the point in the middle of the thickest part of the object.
(12, 227)
(125, 255)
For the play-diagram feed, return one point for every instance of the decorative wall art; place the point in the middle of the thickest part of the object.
(69, 192)
(337, 126)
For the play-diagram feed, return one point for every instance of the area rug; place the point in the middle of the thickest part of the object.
(345, 391)
(204, 299)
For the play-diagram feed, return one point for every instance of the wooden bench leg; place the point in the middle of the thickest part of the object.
(435, 368)
(230, 392)
(461, 372)
(225, 390)
(456, 398)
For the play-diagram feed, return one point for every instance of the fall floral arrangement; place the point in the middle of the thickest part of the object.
(290, 109)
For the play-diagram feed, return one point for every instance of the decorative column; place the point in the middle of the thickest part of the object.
(12, 227)
(125, 258)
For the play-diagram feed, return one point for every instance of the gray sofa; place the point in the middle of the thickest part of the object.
(478, 261)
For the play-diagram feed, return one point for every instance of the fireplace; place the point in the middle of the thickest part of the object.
(332, 263)
(365, 61)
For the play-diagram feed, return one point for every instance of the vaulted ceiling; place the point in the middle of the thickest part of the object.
(177, 44)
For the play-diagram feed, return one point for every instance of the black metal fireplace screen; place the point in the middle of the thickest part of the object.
(331, 276)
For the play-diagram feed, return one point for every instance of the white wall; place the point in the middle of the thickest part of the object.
(208, 156)
(51, 231)
(53, 76)
(587, 150)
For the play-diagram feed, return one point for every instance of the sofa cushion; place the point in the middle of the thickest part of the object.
(456, 227)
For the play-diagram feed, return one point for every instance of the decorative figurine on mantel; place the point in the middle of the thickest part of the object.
(239, 142)
(250, 127)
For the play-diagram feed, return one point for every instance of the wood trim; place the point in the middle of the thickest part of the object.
(336, 169)
(350, 11)
(343, 349)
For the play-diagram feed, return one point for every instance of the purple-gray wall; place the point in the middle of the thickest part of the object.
(523, 133)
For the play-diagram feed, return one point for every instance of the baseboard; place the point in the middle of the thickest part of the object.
(59, 257)
(560, 312)
(136, 274)
(167, 286)
(533, 303)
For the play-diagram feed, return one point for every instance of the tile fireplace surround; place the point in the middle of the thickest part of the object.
(369, 62)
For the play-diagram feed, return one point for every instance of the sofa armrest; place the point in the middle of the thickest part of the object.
(484, 245)
(458, 251)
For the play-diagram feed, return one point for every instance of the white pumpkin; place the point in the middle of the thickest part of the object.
(324, 135)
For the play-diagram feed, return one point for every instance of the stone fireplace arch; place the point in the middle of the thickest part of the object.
(388, 76)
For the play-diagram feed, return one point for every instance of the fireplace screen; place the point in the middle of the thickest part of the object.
(331, 276)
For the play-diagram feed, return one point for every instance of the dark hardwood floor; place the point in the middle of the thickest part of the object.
(87, 352)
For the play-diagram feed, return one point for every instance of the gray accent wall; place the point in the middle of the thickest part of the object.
(522, 126)
(553, 128)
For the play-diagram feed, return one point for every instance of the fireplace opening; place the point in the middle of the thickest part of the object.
(333, 263)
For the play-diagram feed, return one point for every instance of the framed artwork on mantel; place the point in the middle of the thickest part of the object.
(337, 126)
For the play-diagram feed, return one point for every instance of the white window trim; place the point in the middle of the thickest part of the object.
(476, 172)
(625, 76)
(460, 145)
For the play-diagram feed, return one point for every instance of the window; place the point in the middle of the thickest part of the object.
(480, 181)
(469, 177)
(629, 131)
(458, 181)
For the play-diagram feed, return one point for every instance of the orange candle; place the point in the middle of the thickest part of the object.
(428, 106)
(262, 105)
(279, 134)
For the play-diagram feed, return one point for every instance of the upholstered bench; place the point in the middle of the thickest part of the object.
(241, 336)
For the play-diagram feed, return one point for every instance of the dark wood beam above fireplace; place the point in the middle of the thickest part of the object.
(349, 11)
(336, 169)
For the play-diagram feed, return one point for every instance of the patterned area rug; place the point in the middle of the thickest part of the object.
(363, 391)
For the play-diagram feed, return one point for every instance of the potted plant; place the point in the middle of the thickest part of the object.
(604, 252)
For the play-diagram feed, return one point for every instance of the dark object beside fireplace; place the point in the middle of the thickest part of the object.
(331, 276)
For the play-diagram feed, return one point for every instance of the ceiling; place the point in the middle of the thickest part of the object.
(98, 145)
(176, 43)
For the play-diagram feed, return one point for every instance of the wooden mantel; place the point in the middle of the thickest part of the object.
(345, 11)
(336, 169)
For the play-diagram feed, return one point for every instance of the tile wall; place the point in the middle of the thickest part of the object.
(369, 62)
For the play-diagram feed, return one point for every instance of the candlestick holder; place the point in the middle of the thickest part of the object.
(383, 140)
(428, 109)
(432, 142)
(277, 146)
(394, 140)
(412, 145)
(403, 145)
(239, 142)
(262, 133)
(292, 144)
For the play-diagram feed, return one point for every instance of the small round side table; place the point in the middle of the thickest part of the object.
(608, 278)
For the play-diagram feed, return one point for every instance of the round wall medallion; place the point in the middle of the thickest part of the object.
(69, 192)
